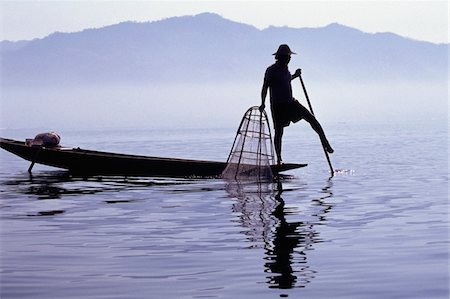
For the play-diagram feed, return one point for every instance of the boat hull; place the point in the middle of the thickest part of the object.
(87, 162)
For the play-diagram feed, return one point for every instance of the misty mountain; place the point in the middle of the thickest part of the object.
(208, 48)
(12, 46)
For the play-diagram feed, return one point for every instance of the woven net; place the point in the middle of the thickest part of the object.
(252, 152)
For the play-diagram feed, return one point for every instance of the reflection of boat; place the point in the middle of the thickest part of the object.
(58, 184)
(87, 162)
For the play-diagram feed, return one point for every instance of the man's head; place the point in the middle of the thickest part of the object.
(283, 54)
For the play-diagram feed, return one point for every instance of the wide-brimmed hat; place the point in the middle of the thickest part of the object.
(283, 50)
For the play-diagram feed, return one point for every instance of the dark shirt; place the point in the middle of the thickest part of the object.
(278, 78)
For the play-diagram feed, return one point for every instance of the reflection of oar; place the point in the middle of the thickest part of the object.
(312, 112)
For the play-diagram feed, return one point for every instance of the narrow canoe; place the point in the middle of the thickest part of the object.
(87, 162)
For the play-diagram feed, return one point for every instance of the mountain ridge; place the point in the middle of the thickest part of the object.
(207, 47)
(332, 24)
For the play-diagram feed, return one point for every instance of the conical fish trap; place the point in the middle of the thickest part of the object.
(252, 152)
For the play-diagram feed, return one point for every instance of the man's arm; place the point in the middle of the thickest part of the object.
(263, 96)
(297, 74)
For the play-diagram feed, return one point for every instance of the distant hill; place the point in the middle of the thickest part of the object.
(12, 46)
(208, 48)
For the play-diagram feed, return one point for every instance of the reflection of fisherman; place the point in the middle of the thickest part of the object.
(283, 106)
(263, 214)
(285, 240)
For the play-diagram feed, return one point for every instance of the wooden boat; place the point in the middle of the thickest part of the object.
(87, 162)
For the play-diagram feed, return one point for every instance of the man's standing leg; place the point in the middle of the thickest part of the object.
(277, 140)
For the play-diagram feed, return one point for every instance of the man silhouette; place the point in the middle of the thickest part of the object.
(283, 106)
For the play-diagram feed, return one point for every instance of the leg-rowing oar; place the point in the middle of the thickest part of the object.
(312, 112)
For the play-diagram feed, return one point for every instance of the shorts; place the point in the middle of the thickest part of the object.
(284, 113)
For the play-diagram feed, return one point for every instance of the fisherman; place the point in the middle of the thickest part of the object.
(283, 106)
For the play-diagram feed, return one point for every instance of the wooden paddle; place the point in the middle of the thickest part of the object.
(312, 112)
(34, 159)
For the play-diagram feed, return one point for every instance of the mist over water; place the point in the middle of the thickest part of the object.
(213, 105)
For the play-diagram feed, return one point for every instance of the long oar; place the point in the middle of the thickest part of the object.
(312, 112)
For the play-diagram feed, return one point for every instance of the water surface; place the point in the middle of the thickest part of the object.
(379, 229)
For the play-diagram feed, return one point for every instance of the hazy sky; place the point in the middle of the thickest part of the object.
(421, 20)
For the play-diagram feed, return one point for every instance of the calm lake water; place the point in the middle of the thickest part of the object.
(377, 229)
